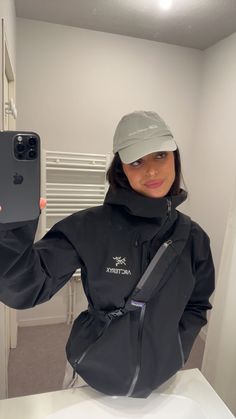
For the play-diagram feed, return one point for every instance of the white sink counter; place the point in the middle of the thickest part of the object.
(187, 395)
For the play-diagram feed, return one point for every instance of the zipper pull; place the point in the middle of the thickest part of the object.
(168, 206)
(136, 241)
(167, 243)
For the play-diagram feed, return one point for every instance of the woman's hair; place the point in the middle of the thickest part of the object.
(117, 178)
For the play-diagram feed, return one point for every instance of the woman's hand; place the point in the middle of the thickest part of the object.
(42, 204)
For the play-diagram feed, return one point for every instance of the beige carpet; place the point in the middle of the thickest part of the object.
(37, 365)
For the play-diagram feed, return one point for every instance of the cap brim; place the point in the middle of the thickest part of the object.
(136, 151)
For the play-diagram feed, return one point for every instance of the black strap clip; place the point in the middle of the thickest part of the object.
(115, 313)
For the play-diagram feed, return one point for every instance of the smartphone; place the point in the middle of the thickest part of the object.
(19, 176)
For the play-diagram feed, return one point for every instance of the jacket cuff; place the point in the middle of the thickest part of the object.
(17, 224)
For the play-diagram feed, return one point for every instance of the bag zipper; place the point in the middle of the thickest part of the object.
(142, 305)
(140, 333)
(153, 263)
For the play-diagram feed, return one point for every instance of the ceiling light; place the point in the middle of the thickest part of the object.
(165, 4)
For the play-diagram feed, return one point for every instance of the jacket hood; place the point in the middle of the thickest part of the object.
(142, 206)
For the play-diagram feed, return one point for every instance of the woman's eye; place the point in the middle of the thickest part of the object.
(135, 163)
(161, 155)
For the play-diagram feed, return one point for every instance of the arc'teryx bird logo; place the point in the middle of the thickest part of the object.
(119, 261)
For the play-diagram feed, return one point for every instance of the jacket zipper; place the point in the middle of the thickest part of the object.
(181, 349)
(78, 361)
(168, 206)
(136, 241)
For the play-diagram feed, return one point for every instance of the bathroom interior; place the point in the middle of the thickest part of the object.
(72, 69)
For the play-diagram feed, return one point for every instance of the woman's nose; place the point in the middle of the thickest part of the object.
(151, 169)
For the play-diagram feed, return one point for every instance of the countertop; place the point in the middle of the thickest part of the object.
(188, 395)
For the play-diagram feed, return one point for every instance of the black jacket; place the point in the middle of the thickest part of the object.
(113, 244)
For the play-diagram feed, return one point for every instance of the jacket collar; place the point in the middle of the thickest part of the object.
(142, 206)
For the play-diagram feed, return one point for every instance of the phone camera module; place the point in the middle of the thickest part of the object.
(20, 148)
(32, 141)
(32, 154)
(25, 146)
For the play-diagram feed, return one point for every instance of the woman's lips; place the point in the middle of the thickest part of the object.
(152, 184)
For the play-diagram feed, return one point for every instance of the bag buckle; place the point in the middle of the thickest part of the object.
(114, 314)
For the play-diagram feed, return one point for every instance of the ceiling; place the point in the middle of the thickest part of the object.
(189, 23)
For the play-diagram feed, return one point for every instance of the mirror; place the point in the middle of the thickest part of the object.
(73, 85)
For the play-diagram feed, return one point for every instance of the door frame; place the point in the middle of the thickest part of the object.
(6, 68)
(8, 317)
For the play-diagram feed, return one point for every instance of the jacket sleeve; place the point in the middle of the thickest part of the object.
(30, 273)
(195, 313)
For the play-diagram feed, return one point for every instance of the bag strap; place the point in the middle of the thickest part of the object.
(159, 269)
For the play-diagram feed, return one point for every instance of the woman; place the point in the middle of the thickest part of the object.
(113, 244)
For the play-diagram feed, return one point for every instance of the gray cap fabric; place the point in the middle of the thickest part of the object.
(140, 133)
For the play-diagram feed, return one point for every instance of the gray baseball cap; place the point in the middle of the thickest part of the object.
(140, 133)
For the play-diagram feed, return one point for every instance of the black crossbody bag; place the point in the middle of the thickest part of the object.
(105, 348)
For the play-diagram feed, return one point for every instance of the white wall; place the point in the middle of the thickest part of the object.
(74, 85)
(7, 12)
(215, 182)
(219, 362)
(214, 146)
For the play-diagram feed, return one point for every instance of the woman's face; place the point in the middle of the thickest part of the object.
(152, 175)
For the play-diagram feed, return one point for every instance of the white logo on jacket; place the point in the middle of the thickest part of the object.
(119, 261)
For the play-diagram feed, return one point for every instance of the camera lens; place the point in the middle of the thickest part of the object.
(20, 148)
(32, 141)
(32, 154)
